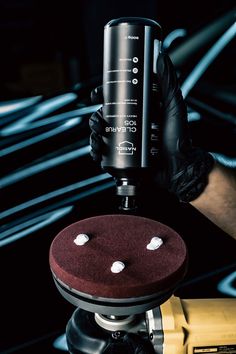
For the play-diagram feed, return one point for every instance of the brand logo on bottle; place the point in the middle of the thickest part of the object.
(126, 148)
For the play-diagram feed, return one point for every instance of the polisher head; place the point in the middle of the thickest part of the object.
(128, 264)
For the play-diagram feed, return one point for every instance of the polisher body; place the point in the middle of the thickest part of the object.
(196, 326)
(178, 326)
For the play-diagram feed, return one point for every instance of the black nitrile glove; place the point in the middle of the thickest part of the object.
(184, 169)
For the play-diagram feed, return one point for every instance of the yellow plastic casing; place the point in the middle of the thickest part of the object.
(199, 326)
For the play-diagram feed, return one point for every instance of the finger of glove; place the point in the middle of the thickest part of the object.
(96, 122)
(97, 95)
(175, 124)
(96, 144)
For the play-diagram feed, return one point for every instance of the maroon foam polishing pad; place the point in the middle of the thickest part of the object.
(122, 238)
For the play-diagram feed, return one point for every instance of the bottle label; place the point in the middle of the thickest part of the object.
(127, 87)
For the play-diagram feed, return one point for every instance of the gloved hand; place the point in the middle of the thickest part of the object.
(183, 169)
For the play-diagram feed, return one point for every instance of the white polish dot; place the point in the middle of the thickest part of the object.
(81, 239)
(117, 267)
(155, 243)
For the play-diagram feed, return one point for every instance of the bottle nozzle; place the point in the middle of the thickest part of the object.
(127, 190)
(127, 203)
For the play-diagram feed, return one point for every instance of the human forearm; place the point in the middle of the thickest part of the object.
(218, 201)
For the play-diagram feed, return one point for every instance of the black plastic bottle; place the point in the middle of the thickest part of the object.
(131, 48)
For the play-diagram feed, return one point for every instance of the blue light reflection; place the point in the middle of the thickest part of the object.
(172, 36)
(226, 285)
(207, 59)
(42, 109)
(42, 166)
(38, 138)
(56, 193)
(10, 107)
(33, 225)
(60, 343)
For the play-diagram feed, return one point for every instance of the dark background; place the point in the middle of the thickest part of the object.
(51, 47)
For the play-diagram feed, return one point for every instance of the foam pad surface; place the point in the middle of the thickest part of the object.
(122, 238)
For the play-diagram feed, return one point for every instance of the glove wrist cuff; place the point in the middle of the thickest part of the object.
(194, 177)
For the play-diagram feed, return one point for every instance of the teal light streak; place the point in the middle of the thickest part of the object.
(38, 138)
(34, 225)
(224, 160)
(61, 117)
(40, 110)
(55, 193)
(194, 116)
(37, 168)
(172, 36)
(207, 59)
(225, 286)
(9, 107)
(47, 218)
(60, 343)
